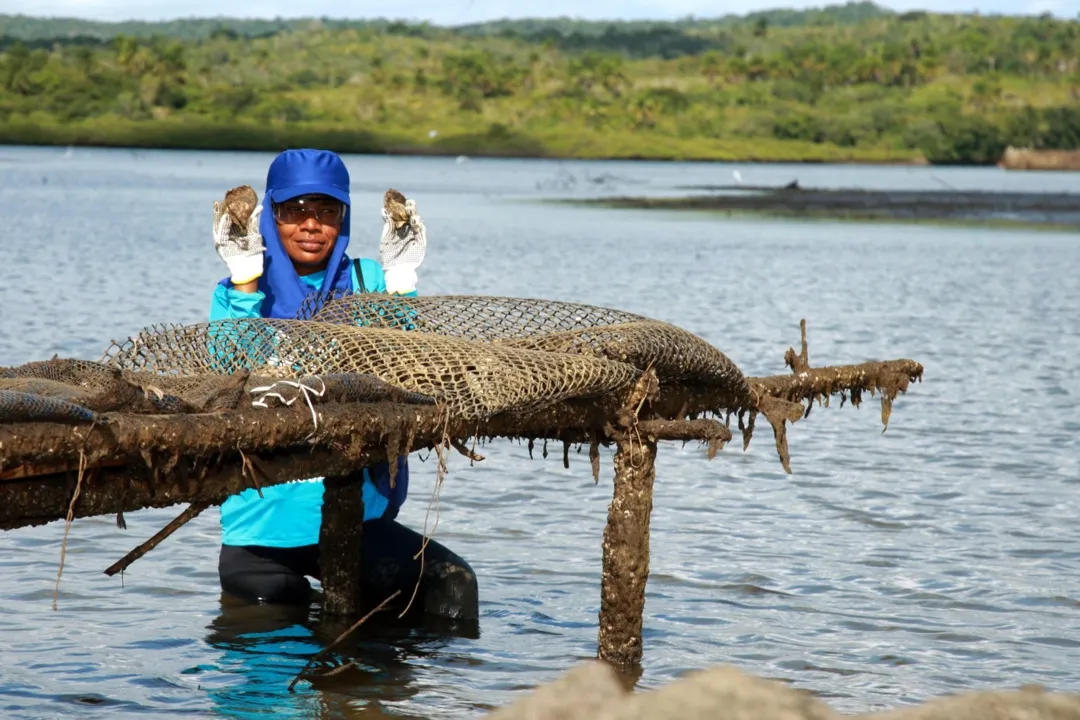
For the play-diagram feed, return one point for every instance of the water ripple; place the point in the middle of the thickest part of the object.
(941, 555)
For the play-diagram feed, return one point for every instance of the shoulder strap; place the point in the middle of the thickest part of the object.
(359, 275)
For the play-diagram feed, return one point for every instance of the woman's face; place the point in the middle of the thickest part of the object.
(309, 227)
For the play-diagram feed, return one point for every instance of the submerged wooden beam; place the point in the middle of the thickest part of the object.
(161, 439)
(355, 427)
(626, 535)
(626, 551)
(107, 491)
(341, 545)
(140, 461)
(809, 383)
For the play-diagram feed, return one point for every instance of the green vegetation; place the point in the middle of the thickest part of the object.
(846, 83)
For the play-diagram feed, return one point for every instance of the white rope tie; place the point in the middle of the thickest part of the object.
(305, 391)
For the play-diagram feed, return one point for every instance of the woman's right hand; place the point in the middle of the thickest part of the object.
(240, 247)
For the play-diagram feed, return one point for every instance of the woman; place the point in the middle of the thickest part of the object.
(292, 247)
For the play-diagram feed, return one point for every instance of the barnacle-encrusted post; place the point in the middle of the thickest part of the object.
(626, 553)
(626, 536)
(341, 544)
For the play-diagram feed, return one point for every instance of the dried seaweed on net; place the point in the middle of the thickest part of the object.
(473, 380)
(98, 388)
(208, 392)
(74, 380)
(338, 387)
(89, 385)
(77, 391)
(676, 355)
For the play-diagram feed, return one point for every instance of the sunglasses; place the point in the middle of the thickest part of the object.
(298, 210)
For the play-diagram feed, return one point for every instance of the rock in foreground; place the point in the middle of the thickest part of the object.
(594, 692)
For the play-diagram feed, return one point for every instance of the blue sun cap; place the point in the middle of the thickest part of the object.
(307, 172)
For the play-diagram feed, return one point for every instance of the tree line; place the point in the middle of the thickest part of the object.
(848, 82)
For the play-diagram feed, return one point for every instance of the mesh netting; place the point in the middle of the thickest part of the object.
(32, 407)
(473, 317)
(474, 380)
(556, 327)
(90, 385)
(479, 356)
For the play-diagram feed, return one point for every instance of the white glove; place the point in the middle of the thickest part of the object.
(402, 249)
(240, 247)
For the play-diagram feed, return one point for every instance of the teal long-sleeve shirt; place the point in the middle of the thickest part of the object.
(290, 514)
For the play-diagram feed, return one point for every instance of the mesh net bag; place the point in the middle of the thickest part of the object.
(474, 317)
(16, 406)
(93, 386)
(479, 356)
(677, 356)
(474, 380)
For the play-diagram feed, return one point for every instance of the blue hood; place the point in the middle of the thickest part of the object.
(294, 173)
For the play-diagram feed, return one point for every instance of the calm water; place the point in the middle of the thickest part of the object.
(940, 556)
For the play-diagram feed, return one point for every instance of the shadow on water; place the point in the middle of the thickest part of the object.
(263, 647)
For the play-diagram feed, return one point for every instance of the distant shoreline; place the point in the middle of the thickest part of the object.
(497, 142)
(1024, 209)
(500, 143)
(441, 153)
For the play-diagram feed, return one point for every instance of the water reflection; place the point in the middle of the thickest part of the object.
(263, 647)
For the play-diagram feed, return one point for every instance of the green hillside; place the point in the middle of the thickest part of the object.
(851, 83)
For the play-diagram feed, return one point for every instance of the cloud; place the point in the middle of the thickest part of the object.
(462, 11)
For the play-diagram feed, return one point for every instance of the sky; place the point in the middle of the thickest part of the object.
(453, 12)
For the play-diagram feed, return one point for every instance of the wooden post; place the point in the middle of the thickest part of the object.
(626, 550)
(341, 544)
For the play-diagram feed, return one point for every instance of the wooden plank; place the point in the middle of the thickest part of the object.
(32, 470)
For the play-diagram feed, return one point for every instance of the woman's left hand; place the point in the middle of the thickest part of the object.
(403, 244)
